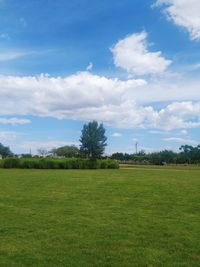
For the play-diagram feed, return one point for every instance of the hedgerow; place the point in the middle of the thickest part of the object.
(53, 163)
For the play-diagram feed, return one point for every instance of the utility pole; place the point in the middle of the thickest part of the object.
(136, 147)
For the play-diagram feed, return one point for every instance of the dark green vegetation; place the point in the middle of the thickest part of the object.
(66, 151)
(135, 217)
(5, 151)
(187, 155)
(93, 140)
(53, 163)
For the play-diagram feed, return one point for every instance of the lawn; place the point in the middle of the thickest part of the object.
(127, 217)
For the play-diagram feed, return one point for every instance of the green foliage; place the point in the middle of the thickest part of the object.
(5, 151)
(190, 154)
(66, 151)
(10, 163)
(187, 155)
(122, 156)
(26, 155)
(52, 163)
(93, 140)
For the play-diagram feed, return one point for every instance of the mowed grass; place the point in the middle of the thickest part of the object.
(127, 217)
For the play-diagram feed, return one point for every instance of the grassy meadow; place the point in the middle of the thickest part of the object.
(128, 217)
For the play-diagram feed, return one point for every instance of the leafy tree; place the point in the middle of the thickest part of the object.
(66, 151)
(118, 156)
(93, 140)
(190, 154)
(42, 151)
(5, 151)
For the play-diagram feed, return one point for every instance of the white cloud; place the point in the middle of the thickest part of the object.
(8, 55)
(14, 121)
(7, 136)
(132, 54)
(158, 132)
(11, 55)
(62, 97)
(184, 13)
(184, 132)
(43, 144)
(17, 144)
(131, 149)
(85, 96)
(177, 115)
(15, 140)
(167, 89)
(90, 66)
(181, 140)
(116, 135)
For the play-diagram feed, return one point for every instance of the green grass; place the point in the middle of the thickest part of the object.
(127, 217)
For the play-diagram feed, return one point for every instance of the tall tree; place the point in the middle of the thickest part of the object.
(93, 140)
(5, 151)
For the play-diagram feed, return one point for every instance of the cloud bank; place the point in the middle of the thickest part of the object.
(184, 13)
(85, 96)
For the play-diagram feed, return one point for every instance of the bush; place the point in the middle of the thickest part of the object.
(10, 163)
(53, 163)
(109, 164)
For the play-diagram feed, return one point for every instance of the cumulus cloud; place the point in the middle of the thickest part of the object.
(132, 54)
(184, 13)
(116, 135)
(181, 140)
(14, 121)
(168, 89)
(85, 96)
(177, 115)
(61, 97)
(8, 136)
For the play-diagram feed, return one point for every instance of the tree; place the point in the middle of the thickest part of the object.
(5, 151)
(42, 151)
(93, 140)
(118, 156)
(66, 151)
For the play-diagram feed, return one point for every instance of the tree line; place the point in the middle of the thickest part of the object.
(93, 143)
(187, 155)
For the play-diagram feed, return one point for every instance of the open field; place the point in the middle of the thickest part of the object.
(181, 167)
(127, 217)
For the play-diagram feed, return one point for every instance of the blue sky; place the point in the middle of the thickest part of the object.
(133, 65)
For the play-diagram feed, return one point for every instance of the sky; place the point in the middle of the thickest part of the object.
(133, 65)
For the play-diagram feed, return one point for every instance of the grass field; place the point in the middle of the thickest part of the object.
(128, 217)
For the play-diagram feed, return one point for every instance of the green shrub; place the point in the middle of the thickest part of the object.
(10, 163)
(112, 164)
(53, 163)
